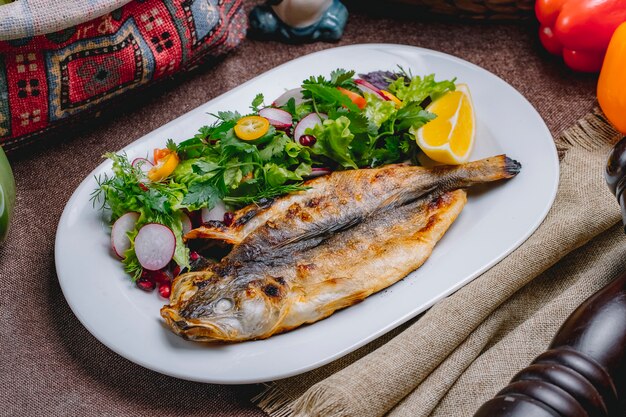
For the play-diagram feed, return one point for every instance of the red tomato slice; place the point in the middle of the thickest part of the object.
(160, 154)
(356, 98)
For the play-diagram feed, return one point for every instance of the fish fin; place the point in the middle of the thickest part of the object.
(228, 235)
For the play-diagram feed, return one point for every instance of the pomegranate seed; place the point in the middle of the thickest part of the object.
(176, 271)
(165, 290)
(143, 186)
(145, 284)
(161, 277)
(147, 275)
(229, 216)
(156, 277)
(307, 140)
(193, 256)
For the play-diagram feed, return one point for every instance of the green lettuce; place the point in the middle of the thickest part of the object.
(333, 141)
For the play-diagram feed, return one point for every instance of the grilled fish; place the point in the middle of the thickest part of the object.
(311, 253)
(338, 201)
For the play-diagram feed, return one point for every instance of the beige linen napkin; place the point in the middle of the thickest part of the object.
(467, 347)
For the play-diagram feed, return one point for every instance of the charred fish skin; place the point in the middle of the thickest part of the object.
(266, 299)
(308, 254)
(345, 198)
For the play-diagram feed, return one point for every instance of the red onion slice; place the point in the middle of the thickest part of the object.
(143, 164)
(318, 172)
(369, 88)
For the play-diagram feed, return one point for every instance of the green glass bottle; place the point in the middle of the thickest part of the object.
(7, 195)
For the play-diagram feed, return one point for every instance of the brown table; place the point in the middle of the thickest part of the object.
(50, 364)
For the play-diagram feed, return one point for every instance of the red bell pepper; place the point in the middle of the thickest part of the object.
(580, 30)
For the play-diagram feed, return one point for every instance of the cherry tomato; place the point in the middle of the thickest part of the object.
(159, 154)
(357, 99)
(164, 168)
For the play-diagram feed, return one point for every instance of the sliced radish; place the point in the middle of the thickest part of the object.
(154, 246)
(216, 213)
(309, 121)
(317, 172)
(278, 118)
(143, 164)
(369, 88)
(294, 93)
(186, 223)
(119, 233)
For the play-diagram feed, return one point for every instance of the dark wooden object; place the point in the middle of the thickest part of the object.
(583, 374)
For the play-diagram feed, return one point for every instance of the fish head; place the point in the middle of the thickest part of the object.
(225, 309)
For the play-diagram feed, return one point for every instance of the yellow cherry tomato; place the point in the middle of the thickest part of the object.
(164, 168)
(391, 97)
(251, 127)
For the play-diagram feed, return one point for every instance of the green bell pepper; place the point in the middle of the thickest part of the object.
(7, 195)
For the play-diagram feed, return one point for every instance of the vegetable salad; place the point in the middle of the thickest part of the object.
(328, 123)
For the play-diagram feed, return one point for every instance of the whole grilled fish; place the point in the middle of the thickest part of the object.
(311, 253)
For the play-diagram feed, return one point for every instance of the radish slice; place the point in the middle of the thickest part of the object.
(186, 223)
(278, 118)
(154, 246)
(143, 164)
(294, 93)
(369, 88)
(216, 213)
(317, 172)
(309, 121)
(119, 233)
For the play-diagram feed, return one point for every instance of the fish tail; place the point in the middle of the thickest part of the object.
(485, 170)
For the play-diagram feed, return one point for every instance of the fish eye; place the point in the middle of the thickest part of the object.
(223, 305)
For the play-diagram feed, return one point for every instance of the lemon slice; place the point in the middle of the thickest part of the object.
(450, 137)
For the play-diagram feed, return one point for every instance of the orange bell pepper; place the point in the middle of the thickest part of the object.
(579, 30)
(612, 82)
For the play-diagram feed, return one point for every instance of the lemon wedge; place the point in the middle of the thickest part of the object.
(450, 137)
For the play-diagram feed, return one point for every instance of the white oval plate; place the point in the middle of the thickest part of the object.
(492, 224)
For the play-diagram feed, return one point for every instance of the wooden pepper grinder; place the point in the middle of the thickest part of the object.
(583, 374)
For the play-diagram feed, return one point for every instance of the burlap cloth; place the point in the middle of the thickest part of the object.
(467, 347)
(51, 365)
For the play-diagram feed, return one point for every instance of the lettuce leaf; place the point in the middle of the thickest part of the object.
(378, 111)
(333, 141)
(419, 89)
